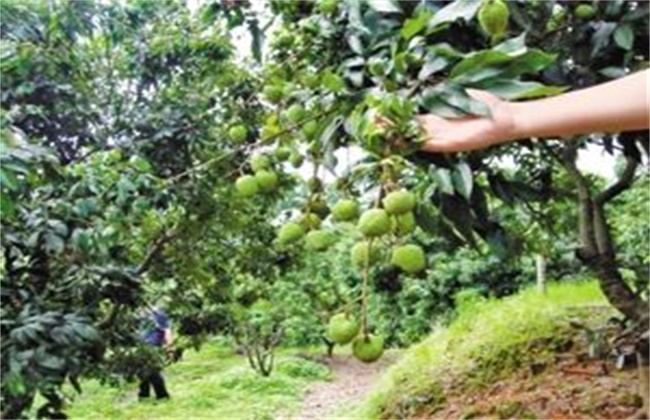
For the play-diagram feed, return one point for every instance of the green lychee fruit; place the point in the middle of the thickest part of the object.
(238, 133)
(585, 11)
(399, 202)
(295, 113)
(319, 240)
(493, 17)
(404, 223)
(311, 221)
(282, 153)
(267, 180)
(342, 328)
(368, 348)
(374, 222)
(409, 258)
(320, 207)
(290, 232)
(296, 159)
(359, 254)
(246, 186)
(259, 163)
(273, 93)
(269, 133)
(310, 129)
(345, 210)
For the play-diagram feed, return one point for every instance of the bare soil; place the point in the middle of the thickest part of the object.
(571, 389)
(352, 380)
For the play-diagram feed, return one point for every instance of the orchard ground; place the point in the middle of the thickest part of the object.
(517, 357)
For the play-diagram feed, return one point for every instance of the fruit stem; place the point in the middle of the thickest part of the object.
(364, 291)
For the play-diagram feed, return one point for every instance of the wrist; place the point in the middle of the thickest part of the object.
(519, 126)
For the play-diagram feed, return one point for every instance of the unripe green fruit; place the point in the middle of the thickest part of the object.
(282, 153)
(327, 7)
(247, 186)
(315, 185)
(312, 80)
(368, 348)
(374, 222)
(493, 17)
(320, 207)
(399, 202)
(259, 163)
(311, 221)
(290, 232)
(404, 223)
(238, 133)
(345, 210)
(310, 129)
(319, 240)
(585, 11)
(360, 255)
(409, 258)
(273, 93)
(267, 180)
(342, 328)
(296, 159)
(269, 133)
(295, 113)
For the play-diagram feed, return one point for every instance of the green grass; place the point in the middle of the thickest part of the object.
(213, 383)
(488, 340)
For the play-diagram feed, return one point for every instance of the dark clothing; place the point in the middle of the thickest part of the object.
(153, 333)
(154, 330)
(156, 381)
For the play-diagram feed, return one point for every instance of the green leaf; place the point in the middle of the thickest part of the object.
(462, 179)
(7, 206)
(442, 177)
(333, 82)
(415, 25)
(465, 9)
(54, 243)
(612, 72)
(624, 37)
(425, 215)
(355, 44)
(601, 36)
(385, 6)
(7, 180)
(513, 46)
(515, 89)
(451, 101)
(432, 65)
(51, 362)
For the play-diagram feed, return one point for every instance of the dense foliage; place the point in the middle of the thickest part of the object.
(142, 160)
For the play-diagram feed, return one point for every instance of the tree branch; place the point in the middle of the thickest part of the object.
(585, 221)
(622, 184)
(154, 251)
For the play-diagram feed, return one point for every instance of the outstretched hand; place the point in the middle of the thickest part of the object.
(469, 133)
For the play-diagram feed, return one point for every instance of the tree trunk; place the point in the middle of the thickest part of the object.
(540, 265)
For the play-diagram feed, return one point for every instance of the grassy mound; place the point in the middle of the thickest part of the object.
(489, 340)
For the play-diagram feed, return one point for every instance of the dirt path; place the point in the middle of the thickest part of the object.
(352, 380)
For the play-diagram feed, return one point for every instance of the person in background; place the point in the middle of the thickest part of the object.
(612, 107)
(157, 332)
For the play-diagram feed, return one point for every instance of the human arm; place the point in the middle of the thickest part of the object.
(168, 338)
(616, 106)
